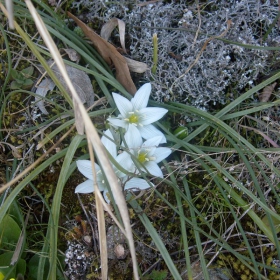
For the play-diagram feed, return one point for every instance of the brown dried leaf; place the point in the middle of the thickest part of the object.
(136, 66)
(109, 54)
(73, 55)
(109, 26)
(266, 93)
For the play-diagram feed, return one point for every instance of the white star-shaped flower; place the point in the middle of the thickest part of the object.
(148, 154)
(135, 112)
(85, 168)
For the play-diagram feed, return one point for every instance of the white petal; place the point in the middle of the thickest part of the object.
(137, 184)
(109, 144)
(151, 114)
(133, 137)
(101, 185)
(123, 104)
(85, 168)
(161, 153)
(118, 123)
(152, 142)
(85, 187)
(124, 159)
(149, 131)
(141, 98)
(154, 169)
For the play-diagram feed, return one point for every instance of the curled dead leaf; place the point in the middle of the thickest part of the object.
(106, 30)
(136, 66)
(109, 54)
(266, 93)
(109, 26)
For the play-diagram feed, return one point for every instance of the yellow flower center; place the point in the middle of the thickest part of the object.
(142, 157)
(133, 119)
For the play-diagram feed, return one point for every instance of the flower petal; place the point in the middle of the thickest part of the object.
(152, 142)
(151, 145)
(161, 153)
(152, 114)
(85, 168)
(85, 187)
(123, 104)
(109, 143)
(124, 159)
(141, 98)
(118, 123)
(137, 184)
(101, 185)
(149, 131)
(154, 169)
(133, 137)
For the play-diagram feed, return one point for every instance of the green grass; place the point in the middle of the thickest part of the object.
(224, 197)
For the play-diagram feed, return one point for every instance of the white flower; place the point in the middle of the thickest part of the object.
(85, 168)
(146, 153)
(134, 112)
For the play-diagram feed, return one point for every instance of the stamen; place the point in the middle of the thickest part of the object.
(133, 119)
(142, 157)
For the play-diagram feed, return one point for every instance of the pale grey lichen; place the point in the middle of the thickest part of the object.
(222, 68)
(77, 260)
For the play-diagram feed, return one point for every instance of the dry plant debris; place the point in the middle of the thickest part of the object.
(110, 55)
(79, 78)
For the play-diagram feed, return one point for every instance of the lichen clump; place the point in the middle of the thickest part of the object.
(222, 67)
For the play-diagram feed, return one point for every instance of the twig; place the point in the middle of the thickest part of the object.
(199, 26)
